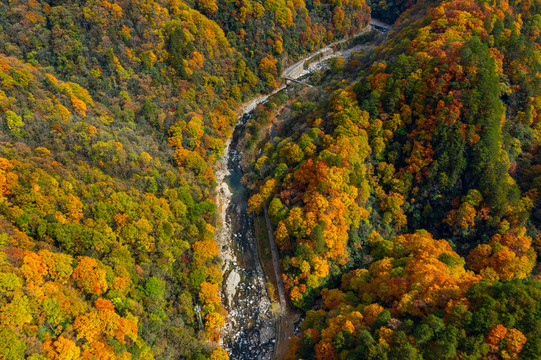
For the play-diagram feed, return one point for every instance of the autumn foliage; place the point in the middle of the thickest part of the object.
(433, 135)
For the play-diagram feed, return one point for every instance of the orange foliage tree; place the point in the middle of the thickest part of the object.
(505, 257)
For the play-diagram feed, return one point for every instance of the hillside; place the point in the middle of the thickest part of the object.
(403, 186)
(114, 114)
(403, 192)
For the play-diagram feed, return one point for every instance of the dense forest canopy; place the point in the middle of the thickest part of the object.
(403, 189)
(113, 116)
(404, 192)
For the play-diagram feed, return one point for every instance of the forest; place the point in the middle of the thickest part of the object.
(403, 189)
(404, 193)
(113, 116)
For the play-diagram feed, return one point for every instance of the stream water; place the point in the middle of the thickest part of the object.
(250, 329)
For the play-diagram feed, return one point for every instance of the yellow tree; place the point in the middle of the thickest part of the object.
(62, 349)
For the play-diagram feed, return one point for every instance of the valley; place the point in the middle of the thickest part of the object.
(252, 329)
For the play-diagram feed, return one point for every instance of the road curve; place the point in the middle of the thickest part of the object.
(296, 70)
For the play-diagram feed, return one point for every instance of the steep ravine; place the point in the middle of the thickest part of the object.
(249, 332)
(250, 329)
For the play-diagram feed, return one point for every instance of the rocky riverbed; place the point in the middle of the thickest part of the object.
(249, 332)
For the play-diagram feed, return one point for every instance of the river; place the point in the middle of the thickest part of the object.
(250, 329)
(249, 332)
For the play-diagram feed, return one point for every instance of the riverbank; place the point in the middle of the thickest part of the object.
(287, 318)
(249, 332)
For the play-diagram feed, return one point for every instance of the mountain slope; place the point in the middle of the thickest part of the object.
(113, 114)
(432, 137)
